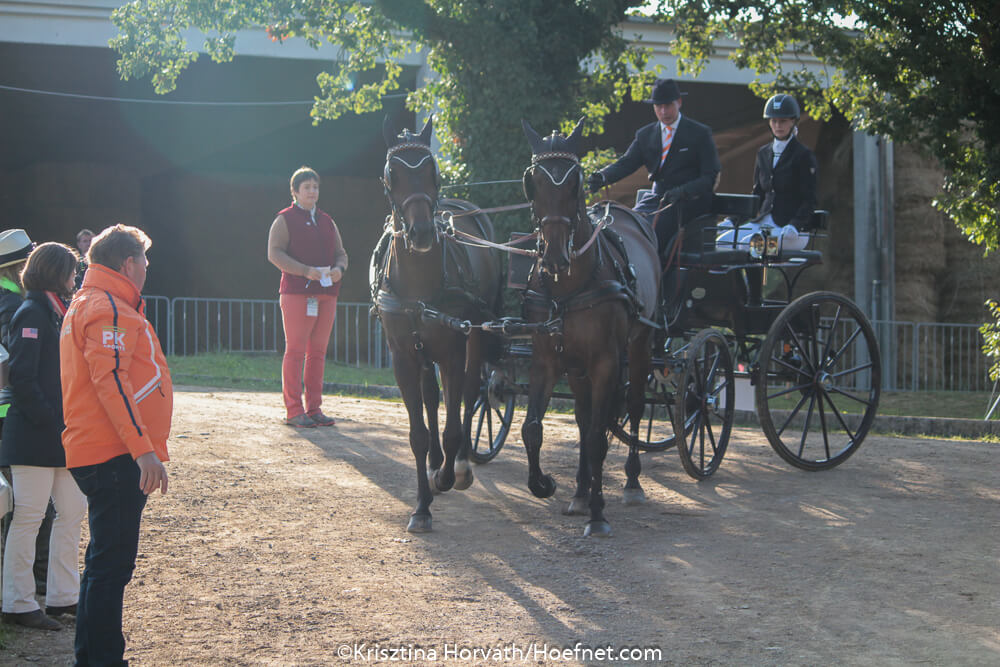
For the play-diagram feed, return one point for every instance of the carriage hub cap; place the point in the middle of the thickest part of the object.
(825, 380)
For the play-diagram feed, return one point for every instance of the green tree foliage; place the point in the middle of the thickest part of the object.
(922, 72)
(494, 63)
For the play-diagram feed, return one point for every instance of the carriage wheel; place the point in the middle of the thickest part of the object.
(705, 404)
(656, 428)
(818, 382)
(492, 415)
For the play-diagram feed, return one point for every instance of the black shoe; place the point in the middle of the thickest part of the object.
(301, 421)
(59, 611)
(322, 420)
(33, 619)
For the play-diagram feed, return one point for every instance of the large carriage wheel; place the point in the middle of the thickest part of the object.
(819, 379)
(492, 414)
(705, 404)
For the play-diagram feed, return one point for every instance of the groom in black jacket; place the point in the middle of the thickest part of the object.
(682, 161)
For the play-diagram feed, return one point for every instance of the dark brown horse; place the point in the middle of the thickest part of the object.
(605, 300)
(424, 284)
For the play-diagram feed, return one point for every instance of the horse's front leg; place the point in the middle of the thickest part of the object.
(603, 385)
(542, 379)
(638, 369)
(579, 504)
(470, 394)
(432, 398)
(408, 377)
(452, 380)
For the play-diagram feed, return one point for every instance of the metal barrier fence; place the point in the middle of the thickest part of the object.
(929, 356)
(189, 326)
(916, 356)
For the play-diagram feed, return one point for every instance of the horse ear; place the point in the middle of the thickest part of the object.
(573, 138)
(428, 131)
(536, 142)
(387, 133)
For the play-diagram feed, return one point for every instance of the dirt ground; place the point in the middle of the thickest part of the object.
(275, 546)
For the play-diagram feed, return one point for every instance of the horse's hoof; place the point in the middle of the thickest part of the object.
(443, 482)
(597, 529)
(634, 496)
(419, 523)
(577, 506)
(463, 475)
(543, 487)
(432, 481)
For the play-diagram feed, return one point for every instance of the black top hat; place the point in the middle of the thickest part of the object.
(665, 91)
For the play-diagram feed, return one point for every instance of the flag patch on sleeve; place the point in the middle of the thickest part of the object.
(29, 332)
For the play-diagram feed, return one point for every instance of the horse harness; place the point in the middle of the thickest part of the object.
(593, 291)
(456, 268)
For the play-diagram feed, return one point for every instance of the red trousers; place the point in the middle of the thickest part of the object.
(306, 339)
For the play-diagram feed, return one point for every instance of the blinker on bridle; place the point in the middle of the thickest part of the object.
(397, 211)
(536, 163)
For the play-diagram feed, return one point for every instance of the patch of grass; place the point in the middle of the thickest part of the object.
(958, 404)
(262, 372)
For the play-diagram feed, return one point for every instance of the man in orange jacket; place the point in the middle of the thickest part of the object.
(117, 405)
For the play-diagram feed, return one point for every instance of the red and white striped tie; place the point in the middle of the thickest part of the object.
(667, 138)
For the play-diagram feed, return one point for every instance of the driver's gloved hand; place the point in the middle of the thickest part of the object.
(673, 195)
(596, 181)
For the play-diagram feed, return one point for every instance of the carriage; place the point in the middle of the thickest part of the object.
(692, 349)
(808, 366)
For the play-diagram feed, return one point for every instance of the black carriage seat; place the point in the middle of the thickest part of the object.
(699, 244)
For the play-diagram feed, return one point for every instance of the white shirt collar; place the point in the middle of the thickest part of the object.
(311, 211)
(778, 146)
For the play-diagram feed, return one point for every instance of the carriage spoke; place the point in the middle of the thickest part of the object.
(701, 438)
(822, 423)
(805, 429)
(479, 423)
(794, 412)
(711, 433)
(840, 418)
(849, 371)
(832, 329)
(841, 392)
(843, 348)
(701, 443)
(799, 345)
(791, 390)
(489, 423)
(778, 361)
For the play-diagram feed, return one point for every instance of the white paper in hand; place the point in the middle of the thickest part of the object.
(325, 279)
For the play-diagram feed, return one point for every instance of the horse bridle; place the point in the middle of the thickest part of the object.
(397, 211)
(536, 163)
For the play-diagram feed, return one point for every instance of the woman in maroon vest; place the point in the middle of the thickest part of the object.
(305, 244)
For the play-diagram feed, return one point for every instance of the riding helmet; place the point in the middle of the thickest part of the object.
(781, 106)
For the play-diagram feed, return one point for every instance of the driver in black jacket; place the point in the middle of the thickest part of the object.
(682, 161)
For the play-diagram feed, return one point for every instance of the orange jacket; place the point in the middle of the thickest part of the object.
(117, 393)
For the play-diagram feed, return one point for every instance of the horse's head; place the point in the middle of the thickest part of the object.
(554, 186)
(412, 182)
